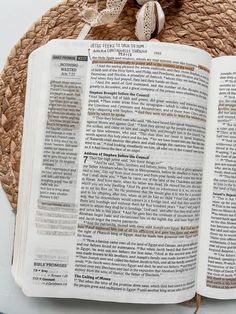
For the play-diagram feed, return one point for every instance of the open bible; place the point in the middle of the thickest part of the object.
(127, 184)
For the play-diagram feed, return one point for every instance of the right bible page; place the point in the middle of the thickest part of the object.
(217, 242)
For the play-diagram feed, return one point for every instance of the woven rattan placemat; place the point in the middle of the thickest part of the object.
(208, 24)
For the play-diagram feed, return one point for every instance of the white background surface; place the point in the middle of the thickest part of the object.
(16, 16)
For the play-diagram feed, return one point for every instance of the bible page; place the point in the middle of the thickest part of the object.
(117, 168)
(217, 242)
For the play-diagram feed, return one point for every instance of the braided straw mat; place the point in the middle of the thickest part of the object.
(208, 24)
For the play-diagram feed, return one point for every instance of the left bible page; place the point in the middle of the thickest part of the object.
(111, 171)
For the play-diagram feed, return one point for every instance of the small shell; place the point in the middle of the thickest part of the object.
(150, 17)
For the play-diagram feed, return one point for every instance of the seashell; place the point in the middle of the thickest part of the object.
(150, 18)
